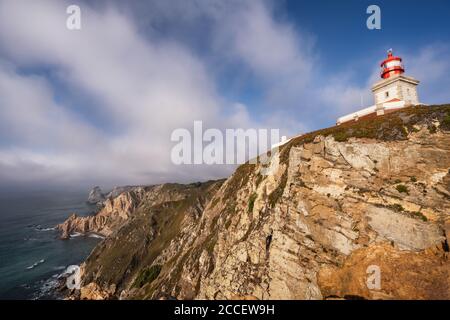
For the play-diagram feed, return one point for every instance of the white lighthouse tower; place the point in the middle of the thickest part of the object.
(393, 92)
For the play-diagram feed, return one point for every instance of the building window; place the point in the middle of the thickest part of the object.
(407, 91)
(386, 94)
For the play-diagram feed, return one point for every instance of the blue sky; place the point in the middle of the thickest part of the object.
(98, 105)
(339, 27)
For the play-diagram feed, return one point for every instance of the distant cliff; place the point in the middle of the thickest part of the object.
(334, 202)
(114, 212)
(96, 196)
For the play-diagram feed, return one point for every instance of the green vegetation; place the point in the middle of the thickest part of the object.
(396, 207)
(228, 223)
(402, 188)
(390, 127)
(210, 243)
(413, 179)
(214, 202)
(278, 192)
(418, 215)
(239, 179)
(432, 128)
(251, 202)
(445, 124)
(147, 276)
(340, 136)
(399, 208)
(259, 178)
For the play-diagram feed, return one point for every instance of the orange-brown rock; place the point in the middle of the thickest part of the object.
(114, 212)
(403, 274)
(92, 291)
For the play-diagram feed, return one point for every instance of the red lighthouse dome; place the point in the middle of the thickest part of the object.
(391, 66)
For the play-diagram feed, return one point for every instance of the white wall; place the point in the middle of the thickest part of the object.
(409, 93)
(380, 94)
(398, 89)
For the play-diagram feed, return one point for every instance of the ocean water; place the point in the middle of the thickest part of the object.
(31, 254)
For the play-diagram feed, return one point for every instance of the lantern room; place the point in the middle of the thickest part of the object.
(391, 66)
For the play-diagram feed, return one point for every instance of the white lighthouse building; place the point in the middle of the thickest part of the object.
(393, 92)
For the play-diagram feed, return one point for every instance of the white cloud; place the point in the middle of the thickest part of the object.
(342, 96)
(271, 49)
(144, 85)
(145, 89)
(431, 66)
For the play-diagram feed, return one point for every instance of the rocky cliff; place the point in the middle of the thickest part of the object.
(114, 212)
(330, 206)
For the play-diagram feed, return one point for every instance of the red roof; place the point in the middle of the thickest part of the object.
(394, 100)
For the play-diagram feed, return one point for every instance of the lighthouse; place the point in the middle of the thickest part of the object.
(394, 91)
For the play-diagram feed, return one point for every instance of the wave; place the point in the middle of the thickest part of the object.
(48, 288)
(34, 265)
(97, 236)
(46, 229)
(75, 235)
(38, 227)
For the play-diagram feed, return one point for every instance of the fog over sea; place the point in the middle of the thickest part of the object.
(31, 254)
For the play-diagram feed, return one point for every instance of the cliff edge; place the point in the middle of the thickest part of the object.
(329, 207)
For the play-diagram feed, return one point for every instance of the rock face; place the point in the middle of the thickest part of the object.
(329, 207)
(118, 190)
(114, 213)
(96, 195)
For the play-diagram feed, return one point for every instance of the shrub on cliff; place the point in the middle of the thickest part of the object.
(147, 276)
(446, 122)
(402, 188)
(251, 202)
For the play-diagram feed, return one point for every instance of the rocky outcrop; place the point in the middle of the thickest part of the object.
(93, 292)
(118, 190)
(330, 207)
(96, 196)
(114, 213)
